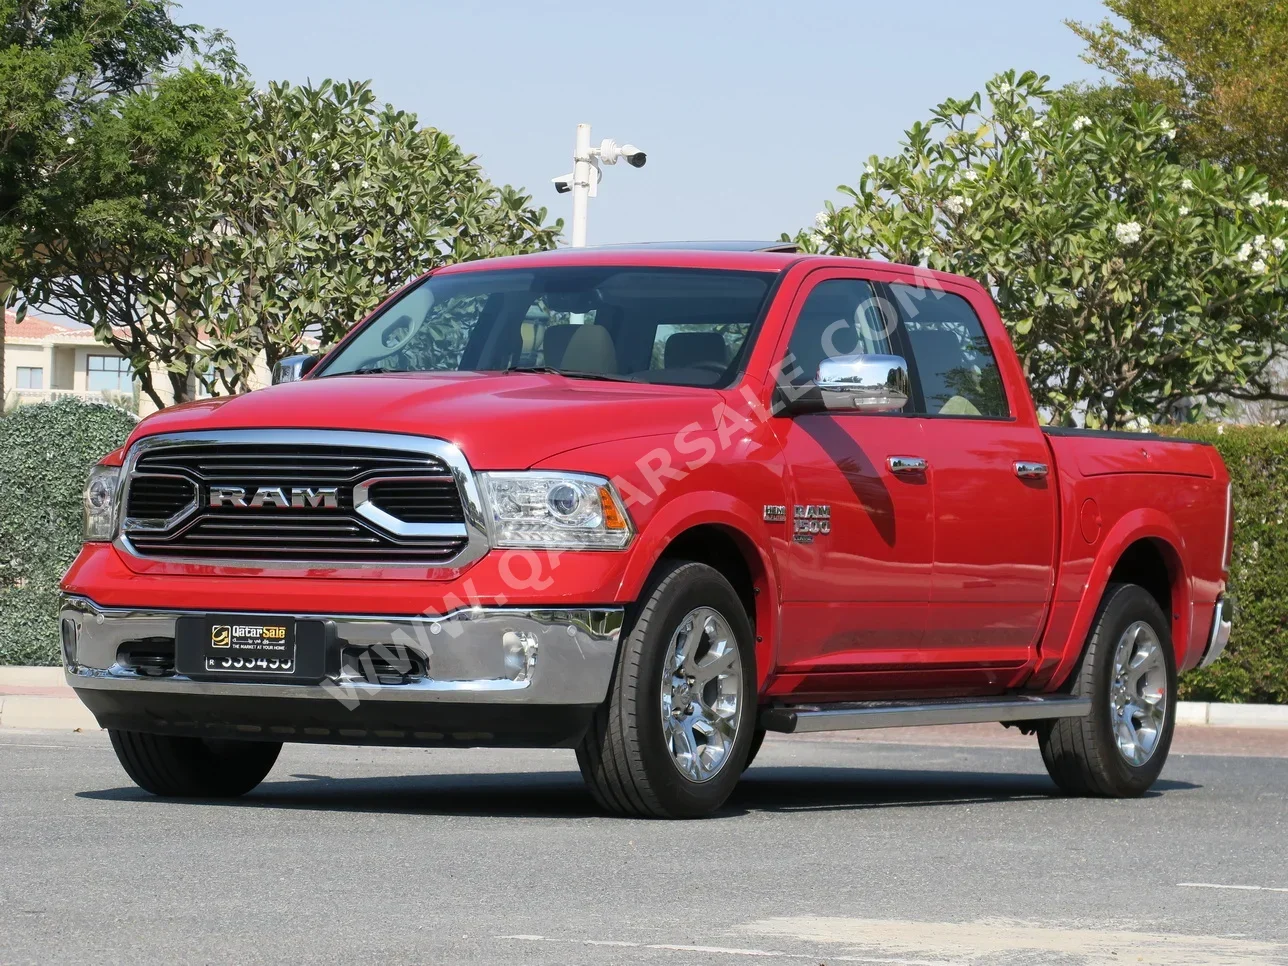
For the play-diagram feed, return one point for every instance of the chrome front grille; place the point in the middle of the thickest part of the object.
(310, 496)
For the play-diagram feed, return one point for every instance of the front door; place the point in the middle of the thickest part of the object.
(856, 574)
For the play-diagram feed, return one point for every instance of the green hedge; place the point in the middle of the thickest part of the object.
(1255, 667)
(46, 452)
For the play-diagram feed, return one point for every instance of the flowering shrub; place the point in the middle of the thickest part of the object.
(1131, 286)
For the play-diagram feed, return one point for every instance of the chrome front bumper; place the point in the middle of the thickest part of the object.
(1222, 624)
(477, 656)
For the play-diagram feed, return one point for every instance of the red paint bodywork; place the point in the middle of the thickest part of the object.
(965, 580)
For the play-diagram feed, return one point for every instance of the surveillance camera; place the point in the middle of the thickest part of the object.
(563, 183)
(609, 152)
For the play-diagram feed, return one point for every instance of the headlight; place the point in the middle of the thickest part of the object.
(100, 503)
(554, 511)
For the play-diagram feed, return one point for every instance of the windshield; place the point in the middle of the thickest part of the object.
(682, 327)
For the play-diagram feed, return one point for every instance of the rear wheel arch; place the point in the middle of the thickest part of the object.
(1154, 564)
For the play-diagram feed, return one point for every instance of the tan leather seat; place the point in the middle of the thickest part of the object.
(590, 350)
(554, 344)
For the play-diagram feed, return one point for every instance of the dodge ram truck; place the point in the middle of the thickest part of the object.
(648, 503)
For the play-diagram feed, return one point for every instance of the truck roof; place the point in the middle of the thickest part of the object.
(736, 255)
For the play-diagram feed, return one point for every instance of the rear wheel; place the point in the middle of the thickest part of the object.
(176, 767)
(1129, 672)
(673, 736)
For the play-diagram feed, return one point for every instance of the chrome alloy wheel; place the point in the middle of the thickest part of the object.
(1138, 693)
(701, 685)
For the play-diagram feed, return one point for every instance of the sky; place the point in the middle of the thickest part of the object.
(751, 113)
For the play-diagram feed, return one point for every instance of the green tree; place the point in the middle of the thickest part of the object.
(1220, 67)
(322, 206)
(105, 146)
(1130, 284)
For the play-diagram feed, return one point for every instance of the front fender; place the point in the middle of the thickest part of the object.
(730, 492)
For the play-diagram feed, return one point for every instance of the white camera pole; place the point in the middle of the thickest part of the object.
(582, 173)
(586, 172)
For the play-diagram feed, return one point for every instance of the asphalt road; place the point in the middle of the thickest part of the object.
(831, 851)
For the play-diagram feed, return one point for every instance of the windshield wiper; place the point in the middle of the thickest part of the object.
(362, 371)
(570, 373)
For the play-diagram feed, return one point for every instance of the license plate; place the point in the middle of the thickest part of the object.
(242, 645)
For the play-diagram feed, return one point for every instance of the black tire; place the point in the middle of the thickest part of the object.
(174, 767)
(757, 740)
(625, 757)
(1081, 754)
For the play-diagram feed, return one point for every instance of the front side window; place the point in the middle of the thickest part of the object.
(108, 374)
(31, 377)
(687, 327)
(841, 316)
(952, 359)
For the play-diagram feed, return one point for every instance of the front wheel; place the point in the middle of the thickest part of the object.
(1129, 672)
(673, 736)
(175, 767)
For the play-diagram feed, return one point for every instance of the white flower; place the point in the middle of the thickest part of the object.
(1081, 121)
(335, 165)
(1278, 244)
(1039, 121)
(1259, 243)
(820, 220)
(1128, 232)
(1244, 252)
(1259, 266)
(1169, 131)
(970, 174)
(1025, 137)
(317, 136)
(869, 169)
(1220, 429)
(1187, 184)
(1004, 88)
(956, 204)
(71, 141)
(1258, 198)
(1183, 210)
(817, 239)
(1280, 202)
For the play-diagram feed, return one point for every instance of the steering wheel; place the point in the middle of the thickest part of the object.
(412, 328)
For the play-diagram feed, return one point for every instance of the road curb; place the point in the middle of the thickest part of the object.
(38, 697)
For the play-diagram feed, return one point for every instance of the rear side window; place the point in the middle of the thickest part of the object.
(951, 357)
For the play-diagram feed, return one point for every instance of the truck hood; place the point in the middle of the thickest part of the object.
(500, 421)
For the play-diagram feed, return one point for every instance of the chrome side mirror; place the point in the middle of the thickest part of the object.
(294, 368)
(865, 384)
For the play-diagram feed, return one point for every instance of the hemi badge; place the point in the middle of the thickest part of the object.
(775, 514)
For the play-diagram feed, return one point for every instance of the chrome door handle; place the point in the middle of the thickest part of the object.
(1031, 471)
(906, 464)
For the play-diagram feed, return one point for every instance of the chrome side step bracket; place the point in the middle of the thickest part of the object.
(857, 715)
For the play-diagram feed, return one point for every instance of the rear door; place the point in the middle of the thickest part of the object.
(995, 502)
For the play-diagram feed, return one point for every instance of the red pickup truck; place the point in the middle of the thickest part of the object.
(648, 503)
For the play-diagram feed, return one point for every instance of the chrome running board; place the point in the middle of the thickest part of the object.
(857, 715)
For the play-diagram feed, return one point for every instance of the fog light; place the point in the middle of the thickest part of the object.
(69, 633)
(520, 654)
